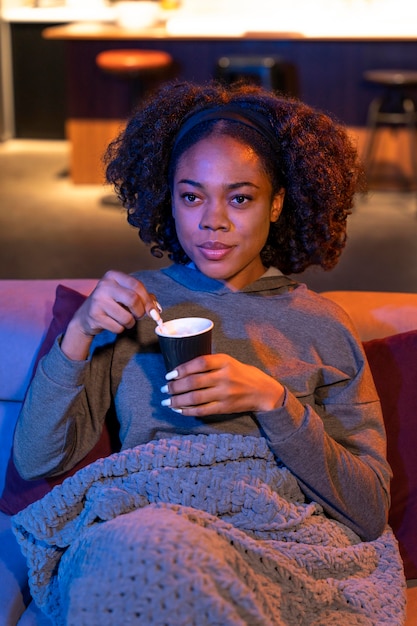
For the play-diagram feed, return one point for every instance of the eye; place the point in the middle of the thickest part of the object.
(189, 198)
(240, 199)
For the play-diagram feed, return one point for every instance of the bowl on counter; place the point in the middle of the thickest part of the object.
(137, 14)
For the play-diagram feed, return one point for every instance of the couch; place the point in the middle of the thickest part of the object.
(32, 312)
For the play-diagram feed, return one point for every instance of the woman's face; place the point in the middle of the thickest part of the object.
(223, 206)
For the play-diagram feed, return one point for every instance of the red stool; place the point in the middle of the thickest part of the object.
(145, 69)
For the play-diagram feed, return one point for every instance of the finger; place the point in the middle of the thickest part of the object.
(120, 314)
(193, 403)
(191, 383)
(194, 399)
(195, 392)
(105, 316)
(130, 292)
(200, 365)
(201, 410)
(148, 300)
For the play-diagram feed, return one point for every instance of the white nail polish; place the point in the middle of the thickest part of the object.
(153, 313)
(171, 375)
(158, 306)
(164, 389)
(177, 410)
(166, 402)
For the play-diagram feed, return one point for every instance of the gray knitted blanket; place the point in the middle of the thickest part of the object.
(201, 530)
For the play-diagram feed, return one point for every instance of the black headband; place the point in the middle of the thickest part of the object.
(253, 119)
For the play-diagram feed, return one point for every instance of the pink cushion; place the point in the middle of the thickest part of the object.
(393, 361)
(19, 493)
(25, 313)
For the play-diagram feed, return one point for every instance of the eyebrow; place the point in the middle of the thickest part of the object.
(231, 186)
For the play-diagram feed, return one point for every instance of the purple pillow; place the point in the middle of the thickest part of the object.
(17, 492)
(393, 361)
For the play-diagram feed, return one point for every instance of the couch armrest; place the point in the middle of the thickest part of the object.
(411, 603)
(25, 314)
(378, 313)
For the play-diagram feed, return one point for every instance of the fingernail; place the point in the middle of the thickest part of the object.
(158, 306)
(153, 313)
(164, 389)
(176, 410)
(166, 402)
(171, 375)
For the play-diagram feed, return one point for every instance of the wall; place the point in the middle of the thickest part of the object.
(39, 77)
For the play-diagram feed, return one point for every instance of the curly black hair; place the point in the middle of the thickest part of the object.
(317, 165)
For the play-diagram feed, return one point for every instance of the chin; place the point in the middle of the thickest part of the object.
(214, 269)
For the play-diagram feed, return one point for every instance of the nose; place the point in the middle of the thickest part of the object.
(215, 217)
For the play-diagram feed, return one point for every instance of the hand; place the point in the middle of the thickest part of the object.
(218, 384)
(117, 301)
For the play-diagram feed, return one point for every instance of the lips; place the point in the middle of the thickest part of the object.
(214, 245)
(215, 250)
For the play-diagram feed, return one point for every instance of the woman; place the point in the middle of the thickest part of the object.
(240, 187)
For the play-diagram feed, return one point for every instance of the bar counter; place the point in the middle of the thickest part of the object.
(329, 70)
(108, 29)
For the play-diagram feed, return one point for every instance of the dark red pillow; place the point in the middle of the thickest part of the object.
(393, 361)
(18, 493)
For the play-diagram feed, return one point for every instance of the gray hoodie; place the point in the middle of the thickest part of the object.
(329, 431)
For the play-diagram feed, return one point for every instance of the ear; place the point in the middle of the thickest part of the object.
(276, 205)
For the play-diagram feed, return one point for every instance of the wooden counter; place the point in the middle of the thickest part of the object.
(330, 74)
(329, 70)
(108, 31)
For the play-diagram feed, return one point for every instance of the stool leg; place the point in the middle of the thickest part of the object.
(372, 121)
(409, 107)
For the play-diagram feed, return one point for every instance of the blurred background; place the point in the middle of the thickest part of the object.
(61, 104)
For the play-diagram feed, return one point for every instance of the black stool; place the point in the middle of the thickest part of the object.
(394, 108)
(270, 72)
